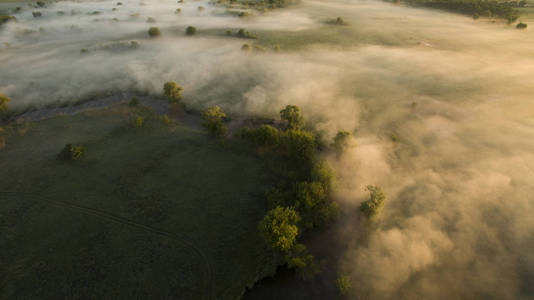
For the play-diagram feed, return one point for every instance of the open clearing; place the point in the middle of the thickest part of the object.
(161, 212)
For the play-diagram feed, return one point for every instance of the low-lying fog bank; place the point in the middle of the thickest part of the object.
(441, 105)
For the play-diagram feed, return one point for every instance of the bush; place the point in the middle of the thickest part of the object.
(72, 152)
(343, 284)
(134, 101)
(213, 121)
(173, 91)
(265, 135)
(291, 115)
(373, 206)
(150, 20)
(37, 14)
(41, 4)
(166, 120)
(242, 33)
(178, 10)
(340, 21)
(138, 122)
(245, 47)
(200, 8)
(279, 228)
(4, 102)
(5, 19)
(190, 30)
(521, 26)
(154, 32)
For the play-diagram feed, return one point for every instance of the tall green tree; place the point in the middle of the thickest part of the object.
(213, 121)
(173, 91)
(279, 228)
(373, 206)
(291, 114)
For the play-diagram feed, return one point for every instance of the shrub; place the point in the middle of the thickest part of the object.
(178, 10)
(166, 120)
(279, 228)
(242, 33)
(37, 14)
(119, 3)
(291, 115)
(190, 30)
(154, 32)
(343, 284)
(138, 122)
(374, 204)
(521, 26)
(245, 47)
(228, 32)
(40, 4)
(213, 121)
(173, 91)
(134, 101)
(84, 50)
(340, 21)
(4, 102)
(200, 8)
(150, 20)
(72, 152)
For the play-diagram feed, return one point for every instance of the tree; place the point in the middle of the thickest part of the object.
(373, 206)
(4, 101)
(134, 101)
(154, 32)
(279, 228)
(190, 30)
(343, 284)
(213, 121)
(302, 261)
(72, 152)
(291, 114)
(265, 135)
(341, 141)
(173, 91)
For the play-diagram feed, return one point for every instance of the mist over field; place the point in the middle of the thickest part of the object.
(441, 107)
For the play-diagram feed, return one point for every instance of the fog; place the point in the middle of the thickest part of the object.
(456, 94)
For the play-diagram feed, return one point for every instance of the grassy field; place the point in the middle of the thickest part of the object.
(159, 212)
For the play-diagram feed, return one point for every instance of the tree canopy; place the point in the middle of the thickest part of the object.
(373, 206)
(291, 115)
(4, 101)
(173, 91)
(279, 228)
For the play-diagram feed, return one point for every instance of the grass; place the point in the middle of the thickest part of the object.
(154, 212)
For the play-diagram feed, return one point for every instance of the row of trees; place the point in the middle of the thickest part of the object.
(476, 8)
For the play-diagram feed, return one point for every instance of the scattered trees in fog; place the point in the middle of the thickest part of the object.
(374, 204)
(4, 102)
(291, 115)
(72, 152)
(172, 91)
(190, 30)
(154, 32)
(213, 121)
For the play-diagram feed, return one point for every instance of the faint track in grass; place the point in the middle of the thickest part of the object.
(120, 220)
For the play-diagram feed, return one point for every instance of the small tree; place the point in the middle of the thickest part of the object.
(72, 152)
(341, 141)
(190, 30)
(138, 122)
(245, 47)
(343, 284)
(291, 114)
(279, 228)
(173, 91)
(302, 261)
(213, 121)
(154, 32)
(340, 21)
(4, 101)
(373, 206)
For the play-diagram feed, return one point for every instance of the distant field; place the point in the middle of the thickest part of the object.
(160, 212)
